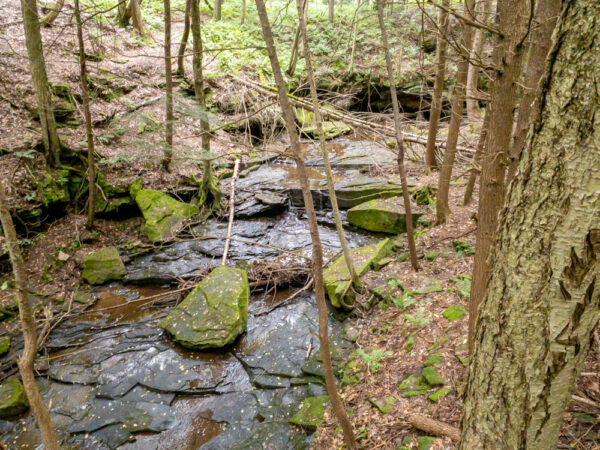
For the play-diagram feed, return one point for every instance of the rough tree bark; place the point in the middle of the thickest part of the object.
(482, 11)
(399, 141)
(512, 17)
(438, 88)
(185, 36)
(317, 256)
(543, 298)
(85, 96)
(546, 13)
(27, 359)
(458, 101)
(33, 41)
(49, 18)
(208, 189)
(331, 5)
(319, 122)
(123, 13)
(166, 163)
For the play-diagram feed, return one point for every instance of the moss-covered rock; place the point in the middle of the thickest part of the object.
(4, 345)
(13, 400)
(331, 128)
(214, 313)
(386, 215)
(336, 277)
(103, 265)
(431, 376)
(164, 215)
(311, 413)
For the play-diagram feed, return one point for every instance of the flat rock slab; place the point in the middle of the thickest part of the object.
(348, 154)
(164, 215)
(103, 265)
(214, 314)
(384, 215)
(336, 277)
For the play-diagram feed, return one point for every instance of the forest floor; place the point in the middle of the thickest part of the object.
(398, 335)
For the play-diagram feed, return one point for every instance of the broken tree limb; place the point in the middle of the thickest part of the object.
(236, 167)
(434, 427)
(341, 116)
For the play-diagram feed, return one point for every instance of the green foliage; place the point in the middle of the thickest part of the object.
(405, 301)
(372, 360)
(463, 248)
(419, 318)
(463, 284)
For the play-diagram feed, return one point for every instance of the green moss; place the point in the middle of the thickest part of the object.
(13, 400)
(425, 442)
(433, 360)
(311, 413)
(4, 345)
(385, 215)
(336, 277)
(214, 314)
(136, 186)
(384, 405)
(431, 376)
(164, 215)
(413, 386)
(103, 265)
(454, 312)
(439, 394)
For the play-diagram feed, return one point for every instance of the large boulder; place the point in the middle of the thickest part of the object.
(103, 265)
(214, 313)
(336, 277)
(386, 215)
(164, 215)
(13, 400)
(308, 125)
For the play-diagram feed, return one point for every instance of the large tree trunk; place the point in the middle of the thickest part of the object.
(399, 142)
(33, 41)
(185, 36)
(438, 87)
(135, 13)
(85, 95)
(543, 298)
(458, 105)
(546, 14)
(508, 53)
(217, 12)
(356, 284)
(27, 360)
(168, 90)
(317, 250)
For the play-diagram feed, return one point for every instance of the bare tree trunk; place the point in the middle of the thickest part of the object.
(543, 297)
(26, 362)
(208, 191)
(217, 12)
(458, 100)
(136, 16)
(85, 95)
(438, 88)
(123, 13)
(317, 256)
(243, 15)
(184, 40)
(482, 10)
(296, 45)
(319, 122)
(508, 54)
(168, 90)
(33, 41)
(546, 14)
(49, 18)
(399, 141)
(479, 151)
(331, 8)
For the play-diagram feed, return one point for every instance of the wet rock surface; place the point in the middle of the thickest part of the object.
(118, 381)
(384, 215)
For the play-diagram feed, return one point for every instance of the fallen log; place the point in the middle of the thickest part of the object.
(341, 116)
(434, 427)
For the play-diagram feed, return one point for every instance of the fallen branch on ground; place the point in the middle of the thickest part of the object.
(434, 427)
